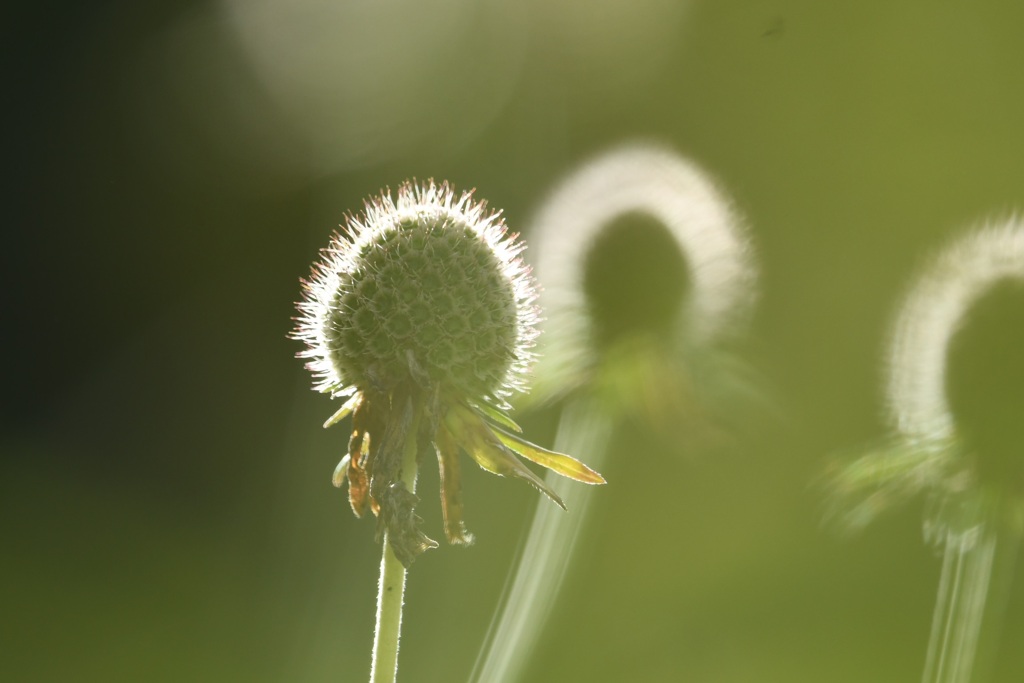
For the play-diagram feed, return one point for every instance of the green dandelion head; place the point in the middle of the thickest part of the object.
(428, 287)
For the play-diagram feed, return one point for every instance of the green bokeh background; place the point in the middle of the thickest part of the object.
(165, 500)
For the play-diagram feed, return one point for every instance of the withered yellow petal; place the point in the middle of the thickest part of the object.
(563, 464)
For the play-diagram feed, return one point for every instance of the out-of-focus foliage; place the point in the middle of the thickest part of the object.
(165, 495)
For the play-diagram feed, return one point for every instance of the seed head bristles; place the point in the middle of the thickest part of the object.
(645, 179)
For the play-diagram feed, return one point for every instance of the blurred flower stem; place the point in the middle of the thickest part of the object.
(977, 567)
(391, 590)
(584, 427)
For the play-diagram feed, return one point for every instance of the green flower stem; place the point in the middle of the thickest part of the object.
(391, 590)
(975, 580)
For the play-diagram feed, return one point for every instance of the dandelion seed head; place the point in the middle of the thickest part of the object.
(428, 286)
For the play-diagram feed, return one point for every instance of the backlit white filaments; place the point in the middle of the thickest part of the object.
(931, 315)
(645, 179)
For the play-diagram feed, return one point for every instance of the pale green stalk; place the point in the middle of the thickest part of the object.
(545, 555)
(976, 569)
(391, 590)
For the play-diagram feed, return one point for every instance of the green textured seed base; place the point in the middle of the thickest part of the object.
(424, 298)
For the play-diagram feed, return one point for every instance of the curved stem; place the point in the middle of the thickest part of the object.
(585, 427)
(391, 589)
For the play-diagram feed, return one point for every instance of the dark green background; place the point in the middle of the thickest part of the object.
(165, 502)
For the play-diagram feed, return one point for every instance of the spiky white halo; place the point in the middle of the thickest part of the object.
(932, 313)
(425, 203)
(648, 179)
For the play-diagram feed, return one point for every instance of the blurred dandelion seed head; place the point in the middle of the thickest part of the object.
(933, 449)
(697, 224)
(428, 287)
(932, 313)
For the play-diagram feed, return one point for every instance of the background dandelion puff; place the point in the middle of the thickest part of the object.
(648, 180)
(933, 313)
